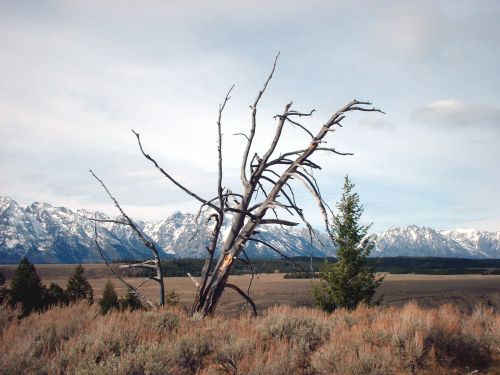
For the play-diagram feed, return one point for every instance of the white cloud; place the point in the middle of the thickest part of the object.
(77, 76)
(456, 114)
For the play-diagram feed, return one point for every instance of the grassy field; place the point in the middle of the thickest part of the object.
(464, 291)
(429, 325)
(283, 340)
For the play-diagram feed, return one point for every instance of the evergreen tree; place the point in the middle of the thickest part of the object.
(26, 288)
(351, 279)
(78, 287)
(2, 278)
(109, 298)
(55, 295)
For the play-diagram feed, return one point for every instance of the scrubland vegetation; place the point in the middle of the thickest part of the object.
(78, 339)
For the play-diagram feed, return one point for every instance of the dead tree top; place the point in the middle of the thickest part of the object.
(270, 176)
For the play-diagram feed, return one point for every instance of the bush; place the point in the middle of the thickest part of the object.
(172, 298)
(168, 321)
(7, 314)
(189, 353)
(296, 328)
(130, 302)
(77, 339)
(55, 295)
(109, 300)
(78, 287)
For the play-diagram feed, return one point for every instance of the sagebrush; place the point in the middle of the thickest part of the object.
(368, 340)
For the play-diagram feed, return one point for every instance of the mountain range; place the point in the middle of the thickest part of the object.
(48, 234)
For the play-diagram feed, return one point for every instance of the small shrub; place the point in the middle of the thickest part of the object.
(299, 329)
(172, 298)
(78, 287)
(231, 355)
(130, 302)
(109, 298)
(7, 314)
(168, 321)
(55, 295)
(189, 353)
(77, 339)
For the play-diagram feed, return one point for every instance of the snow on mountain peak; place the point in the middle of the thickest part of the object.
(56, 234)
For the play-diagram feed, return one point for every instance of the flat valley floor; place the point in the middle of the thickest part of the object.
(464, 291)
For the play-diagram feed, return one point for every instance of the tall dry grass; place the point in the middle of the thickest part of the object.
(409, 340)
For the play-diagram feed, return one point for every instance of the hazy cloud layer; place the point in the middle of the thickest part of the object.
(78, 75)
(455, 114)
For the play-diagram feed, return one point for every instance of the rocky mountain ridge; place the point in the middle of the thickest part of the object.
(48, 234)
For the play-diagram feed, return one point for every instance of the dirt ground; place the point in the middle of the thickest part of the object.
(465, 291)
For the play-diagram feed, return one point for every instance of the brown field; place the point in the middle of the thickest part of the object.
(464, 291)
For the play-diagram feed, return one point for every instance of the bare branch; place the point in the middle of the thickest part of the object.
(146, 242)
(174, 181)
(244, 295)
(127, 285)
(300, 126)
(366, 109)
(249, 262)
(298, 152)
(144, 282)
(276, 251)
(272, 147)
(318, 198)
(243, 176)
(198, 216)
(138, 265)
(193, 280)
(105, 220)
(244, 212)
(219, 147)
(278, 221)
(149, 244)
(243, 134)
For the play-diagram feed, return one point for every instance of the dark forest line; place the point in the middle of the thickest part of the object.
(300, 267)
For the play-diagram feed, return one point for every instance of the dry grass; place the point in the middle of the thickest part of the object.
(283, 340)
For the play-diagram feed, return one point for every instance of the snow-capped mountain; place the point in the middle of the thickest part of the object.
(56, 234)
(481, 244)
(181, 236)
(426, 242)
(418, 241)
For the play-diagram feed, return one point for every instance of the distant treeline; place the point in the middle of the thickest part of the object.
(300, 267)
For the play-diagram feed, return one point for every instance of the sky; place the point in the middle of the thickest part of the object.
(77, 76)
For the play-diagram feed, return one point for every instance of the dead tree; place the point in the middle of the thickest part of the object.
(151, 265)
(268, 175)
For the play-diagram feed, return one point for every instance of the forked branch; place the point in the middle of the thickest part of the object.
(149, 244)
(244, 295)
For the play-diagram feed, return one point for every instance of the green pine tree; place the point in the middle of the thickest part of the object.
(78, 287)
(2, 279)
(351, 280)
(109, 298)
(55, 295)
(26, 288)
